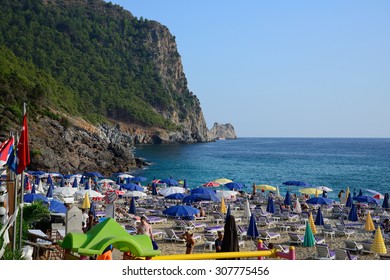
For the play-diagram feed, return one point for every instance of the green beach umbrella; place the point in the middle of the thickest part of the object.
(308, 240)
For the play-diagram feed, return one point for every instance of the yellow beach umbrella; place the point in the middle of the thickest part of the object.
(265, 187)
(222, 208)
(316, 192)
(369, 225)
(378, 245)
(223, 181)
(312, 225)
(347, 193)
(308, 191)
(86, 202)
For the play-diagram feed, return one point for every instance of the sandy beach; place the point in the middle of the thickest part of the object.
(248, 244)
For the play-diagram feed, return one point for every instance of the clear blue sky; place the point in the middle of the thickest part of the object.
(284, 68)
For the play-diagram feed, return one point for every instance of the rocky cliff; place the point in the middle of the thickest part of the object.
(222, 131)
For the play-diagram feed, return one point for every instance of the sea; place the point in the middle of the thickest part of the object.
(337, 163)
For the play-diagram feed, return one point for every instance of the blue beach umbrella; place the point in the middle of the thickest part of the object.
(366, 199)
(33, 189)
(132, 187)
(349, 201)
(75, 184)
(202, 190)
(319, 200)
(385, 203)
(270, 205)
(353, 216)
(235, 186)
(252, 227)
(118, 180)
(49, 193)
(138, 179)
(93, 174)
(181, 211)
(87, 186)
(132, 209)
(287, 199)
(31, 197)
(82, 180)
(185, 185)
(49, 180)
(319, 218)
(195, 197)
(176, 196)
(56, 206)
(93, 208)
(62, 182)
(37, 180)
(169, 181)
(360, 192)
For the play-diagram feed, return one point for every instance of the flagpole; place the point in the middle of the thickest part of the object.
(15, 196)
(22, 194)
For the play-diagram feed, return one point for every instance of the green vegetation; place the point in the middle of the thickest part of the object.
(90, 59)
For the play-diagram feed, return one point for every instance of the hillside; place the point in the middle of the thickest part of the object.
(91, 67)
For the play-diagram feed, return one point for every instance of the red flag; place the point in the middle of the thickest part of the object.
(23, 149)
(6, 149)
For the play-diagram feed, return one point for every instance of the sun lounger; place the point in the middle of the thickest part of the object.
(324, 253)
(342, 254)
(155, 220)
(266, 235)
(213, 229)
(353, 246)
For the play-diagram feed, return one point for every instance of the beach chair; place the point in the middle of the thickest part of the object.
(296, 239)
(367, 247)
(209, 241)
(263, 221)
(195, 225)
(173, 236)
(324, 253)
(266, 235)
(319, 239)
(342, 254)
(217, 218)
(353, 246)
(182, 225)
(241, 232)
(213, 229)
(343, 231)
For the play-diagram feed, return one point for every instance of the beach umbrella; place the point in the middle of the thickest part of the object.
(138, 179)
(270, 205)
(360, 192)
(376, 195)
(308, 240)
(132, 208)
(87, 185)
(319, 218)
(202, 190)
(324, 194)
(33, 189)
(62, 182)
(347, 192)
(297, 184)
(230, 238)
(226, 194)
(182, 211)
(265, 188)
(92, 209)
(324, 188)
(297, 207)
(132, 187)
(31, 197)
(82, 180)
(234, 186)
(309, 191)
(200, 197)
(223, 181)
(91, 194)
(319, 200)
(49, 180)
(211, 184)
(74, 184)
(171, 190)
(86, 203)
(247, 209)
(154, 189)
(366, 199)
(385, 203)
(228, 213)
(56, 206)
(349, 201)
(312, 225)
(352, 215)
(252, 227)
(378, 245)
(185, 184)
(123, 175)
(134, 194)
(64, 191)
(287, 199)
(176, 196)
(169, 181)
(222, 208)
(49, 193)
(369, 224)
(93, 174)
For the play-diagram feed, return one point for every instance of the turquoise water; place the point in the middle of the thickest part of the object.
(336, 163)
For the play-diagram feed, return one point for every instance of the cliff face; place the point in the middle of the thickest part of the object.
(224, 131)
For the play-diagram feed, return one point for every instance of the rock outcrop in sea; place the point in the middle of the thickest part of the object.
(222, 131)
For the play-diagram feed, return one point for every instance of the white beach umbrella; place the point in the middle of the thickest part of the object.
(134, 194)
(171, 190)
(64, 191)
(106, 181)
(91, 193)
(247, 209)
(225, 194)
(323, 188)
(297, 208)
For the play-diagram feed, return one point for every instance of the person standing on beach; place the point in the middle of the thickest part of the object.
(218, 242)
(145, 228)
(190, 242)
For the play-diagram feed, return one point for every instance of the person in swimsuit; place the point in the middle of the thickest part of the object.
(190, 241)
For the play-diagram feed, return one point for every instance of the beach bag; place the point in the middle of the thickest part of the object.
(155, 246)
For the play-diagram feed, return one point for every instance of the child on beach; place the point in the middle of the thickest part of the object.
(190, 241)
